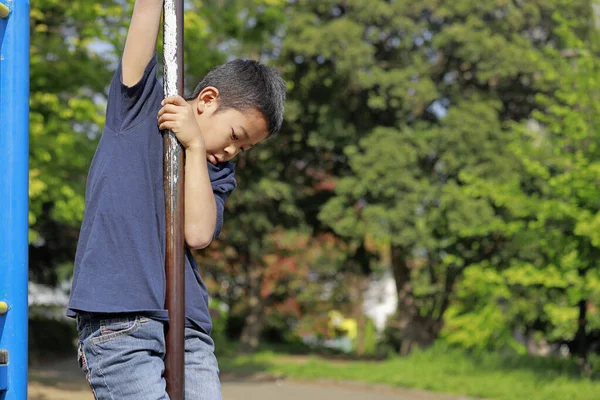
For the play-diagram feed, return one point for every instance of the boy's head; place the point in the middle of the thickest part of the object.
(237, 105)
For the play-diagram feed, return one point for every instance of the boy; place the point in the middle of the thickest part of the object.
(118, 289)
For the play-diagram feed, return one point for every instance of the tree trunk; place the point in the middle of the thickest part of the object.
(580, 345)
(255, 321)
(412, 328)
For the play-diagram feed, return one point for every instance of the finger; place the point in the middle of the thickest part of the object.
(168, 109)
(168, 117)
(176, 100)
(167, 125)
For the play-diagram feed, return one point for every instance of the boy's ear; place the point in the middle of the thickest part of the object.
(208, 98)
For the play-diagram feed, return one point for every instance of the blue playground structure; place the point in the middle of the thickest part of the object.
(14, 149)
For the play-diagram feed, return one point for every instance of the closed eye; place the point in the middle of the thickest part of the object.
(233, 135)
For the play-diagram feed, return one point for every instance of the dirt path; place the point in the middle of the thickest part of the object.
(64, 381)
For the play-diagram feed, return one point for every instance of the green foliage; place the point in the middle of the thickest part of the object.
(548, 282)
(420, 108)
(219, 323)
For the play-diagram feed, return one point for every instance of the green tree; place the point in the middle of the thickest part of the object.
(550, 285)
(398, 100)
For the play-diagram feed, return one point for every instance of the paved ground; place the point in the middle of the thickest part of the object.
(64, 381)
(293, 390)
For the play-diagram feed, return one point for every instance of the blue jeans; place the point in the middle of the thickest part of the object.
(123, 359)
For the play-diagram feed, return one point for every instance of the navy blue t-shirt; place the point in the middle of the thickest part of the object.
(120, 259)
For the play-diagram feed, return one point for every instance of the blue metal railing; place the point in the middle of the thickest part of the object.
(14, 147)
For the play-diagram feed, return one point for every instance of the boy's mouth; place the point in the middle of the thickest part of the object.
(213, 159)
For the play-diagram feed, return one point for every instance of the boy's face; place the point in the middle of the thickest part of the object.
(227, 132)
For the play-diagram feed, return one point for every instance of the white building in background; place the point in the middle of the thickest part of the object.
(42, 295)
(381, 299)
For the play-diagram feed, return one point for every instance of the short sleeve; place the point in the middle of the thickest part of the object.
(128, 105)
(222, 178)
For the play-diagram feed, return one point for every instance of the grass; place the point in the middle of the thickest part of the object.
(488, 376)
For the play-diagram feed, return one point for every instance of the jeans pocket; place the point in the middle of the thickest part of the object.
(112, 328)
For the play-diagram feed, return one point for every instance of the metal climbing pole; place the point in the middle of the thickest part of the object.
(14, 143)
(173, 183)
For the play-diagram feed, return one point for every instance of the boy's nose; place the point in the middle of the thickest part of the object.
(231, 150)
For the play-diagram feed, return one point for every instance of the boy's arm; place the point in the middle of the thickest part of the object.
(141, 39)
(200, 214)
(200, 210)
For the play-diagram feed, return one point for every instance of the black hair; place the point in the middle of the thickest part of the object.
(245, 85)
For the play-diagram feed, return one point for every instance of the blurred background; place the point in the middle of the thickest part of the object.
(428, 217)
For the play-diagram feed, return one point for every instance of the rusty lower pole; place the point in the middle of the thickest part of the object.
(173, 169)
